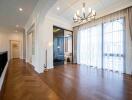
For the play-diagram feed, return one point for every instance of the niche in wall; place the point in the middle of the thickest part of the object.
(31, 43)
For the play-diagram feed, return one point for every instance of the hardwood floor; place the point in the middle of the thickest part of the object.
(68, 82)
(24, 84)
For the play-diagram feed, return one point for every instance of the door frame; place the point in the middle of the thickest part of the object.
(72, 39)
(10, 42)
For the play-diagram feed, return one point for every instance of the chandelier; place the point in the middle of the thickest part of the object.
(82, 17)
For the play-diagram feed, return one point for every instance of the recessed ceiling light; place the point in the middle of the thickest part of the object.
(17, 26)
(20, 9)
(58, 8)
(16, 31)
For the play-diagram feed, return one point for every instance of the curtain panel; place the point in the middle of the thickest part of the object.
(129, 13)
(90, 46)
(75, 33)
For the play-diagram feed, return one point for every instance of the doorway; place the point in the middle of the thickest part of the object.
(68, 47)
(15, 49)
(62, 46)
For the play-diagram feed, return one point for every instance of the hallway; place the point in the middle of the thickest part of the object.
(69, 82)
(24, 84)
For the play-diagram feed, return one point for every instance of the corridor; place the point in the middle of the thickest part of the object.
(23, 83)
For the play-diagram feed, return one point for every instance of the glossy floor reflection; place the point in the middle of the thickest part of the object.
(68, 82)
(76, 82)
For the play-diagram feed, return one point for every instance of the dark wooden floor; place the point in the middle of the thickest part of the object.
(69, 82)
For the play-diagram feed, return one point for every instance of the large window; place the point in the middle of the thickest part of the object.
(89, 52)
(113, 45)
(102, 46)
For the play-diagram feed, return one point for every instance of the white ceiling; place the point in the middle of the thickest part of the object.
(10, 15)
(102, 7)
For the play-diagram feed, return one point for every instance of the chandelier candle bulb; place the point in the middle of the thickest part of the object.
(78, 13)
(83, 10)
(90, 10)
(75, 16)
(93, 12)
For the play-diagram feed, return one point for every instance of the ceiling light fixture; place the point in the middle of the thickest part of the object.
(81, 17)
(17, 26)
(58, 8)
(20, 9)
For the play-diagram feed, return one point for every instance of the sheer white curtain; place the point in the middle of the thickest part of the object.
(94, 41)
(113, 45)
(89, 49)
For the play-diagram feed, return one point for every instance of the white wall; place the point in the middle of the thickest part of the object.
(44, 22)
(5, 42)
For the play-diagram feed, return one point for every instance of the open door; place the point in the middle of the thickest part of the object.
(15, 49)
(62, 46)
(58, 46)
(68, 47)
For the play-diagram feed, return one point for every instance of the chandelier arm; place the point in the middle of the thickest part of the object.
(75, 20)
(79, 17)
(80, 21)
(89, 15)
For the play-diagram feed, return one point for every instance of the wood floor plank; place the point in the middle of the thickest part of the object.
(78, 82)
(67, 82)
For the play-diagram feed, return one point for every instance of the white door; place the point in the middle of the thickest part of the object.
(15, 49)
